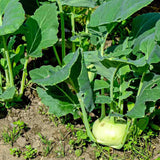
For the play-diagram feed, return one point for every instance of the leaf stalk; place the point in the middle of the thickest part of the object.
(62, 29)
(6, 53)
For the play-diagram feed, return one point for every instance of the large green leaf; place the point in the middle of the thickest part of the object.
(150, 92)
(48, 75)
(42, 29)
(3, 5)
(157, 32)
(116, 11)
(79, 3)
(143, 23)
(58, 103)
(8, 94)
(13, 16)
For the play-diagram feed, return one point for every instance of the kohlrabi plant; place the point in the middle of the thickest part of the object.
(121, 78)
(35, 33)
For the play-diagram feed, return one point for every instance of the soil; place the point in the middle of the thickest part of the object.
(37, 120)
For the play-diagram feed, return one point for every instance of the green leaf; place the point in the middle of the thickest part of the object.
(155, 55)
(8, 94)
(3, 5)
(85, 88)
(108, 66)
(125, 95)
(141, 41)
(157, 32)
(147, 45)
(100, 84)
(149, 93)
(41, 29)
(116, 11)
(57, 101)
(143, 23)
(13, 16)
(106, 71)
(142, 124)
(48, 75)
(79, 3)
(101, 99)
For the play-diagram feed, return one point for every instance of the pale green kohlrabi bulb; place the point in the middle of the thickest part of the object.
(110, 132)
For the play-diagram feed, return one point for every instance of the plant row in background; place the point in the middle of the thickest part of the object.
(121, 81)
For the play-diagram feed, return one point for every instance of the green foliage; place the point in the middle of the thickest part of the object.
(115, 11)
(13, 16)
(38, 32)
(79, 3)
(30, 152)
(126, 70)
(140, 144)
(47, 145)
(15, 152)
(123, 76)
(79, 139)
(41, 29)
(11, 135)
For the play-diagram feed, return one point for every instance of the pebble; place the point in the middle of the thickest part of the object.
(21, 141)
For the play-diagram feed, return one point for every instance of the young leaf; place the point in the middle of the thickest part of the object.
(42, 29)
(13, 16)
(116, 11)
(100, 84)
(149, 93)
(101, 99)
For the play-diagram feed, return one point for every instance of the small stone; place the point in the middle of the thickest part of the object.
(36, 144)
(10, 118)
(21, 141)
(15, 119)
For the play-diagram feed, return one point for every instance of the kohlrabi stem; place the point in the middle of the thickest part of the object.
(87, 20)
(37, 3)
(139, 90)
(73, 28)
(141, 83)
(6, 53)
(57, 56)
(7, 77)
(24, 74)
(0, 20)
(103, 44)
(62, 29)
(103, 109)
(120, 102)
(85, 119)
(0, 79)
